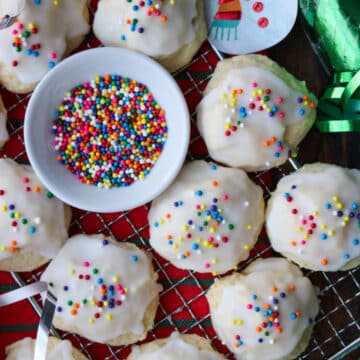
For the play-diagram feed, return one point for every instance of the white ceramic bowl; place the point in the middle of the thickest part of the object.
(76, 70)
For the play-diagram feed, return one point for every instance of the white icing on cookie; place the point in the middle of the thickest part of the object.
(103, 290)
(4, 136)
(151, 34)
(175, 349)
(24, 350)
(23, 200)
(11, 7)
(243, 122)
(315, 215)
(38, 41)
(208, 220)
(263, 312)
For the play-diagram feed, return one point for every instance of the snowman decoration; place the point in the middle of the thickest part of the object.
(227, 19)
(246, 26)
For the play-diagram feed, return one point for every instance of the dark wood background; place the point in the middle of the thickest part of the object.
(297, 56)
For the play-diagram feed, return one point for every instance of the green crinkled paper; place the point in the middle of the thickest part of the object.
(333, 27)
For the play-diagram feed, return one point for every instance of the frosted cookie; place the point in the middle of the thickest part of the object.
(4, 136)
(43, 34)
(170, 31)
(106, 291)
(208, 219)
(57, 350)
(265, 312)
(10, 9)
(33, 224)
(254, 113)
(176, 347)
(313, 217)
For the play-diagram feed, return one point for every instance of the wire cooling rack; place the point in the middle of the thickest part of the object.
(182, 302)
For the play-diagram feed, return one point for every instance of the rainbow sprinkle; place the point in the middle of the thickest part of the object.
(269, 311)
(262, 100)
(207, 227)
(151, 7)
(106, 294)
(310, 227)
(26, 39)
(18, 222)
(110, 131)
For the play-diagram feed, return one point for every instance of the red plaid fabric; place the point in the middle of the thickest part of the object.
(183, 305)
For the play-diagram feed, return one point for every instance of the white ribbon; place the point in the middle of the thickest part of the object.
(22, 293)
(47, 315)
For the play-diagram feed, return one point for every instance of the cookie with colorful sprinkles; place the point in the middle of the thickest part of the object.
(170, 31)
(119, 127)
(254, 113)
(33, 223)
(44, 32)
(176, 347)
(57, 350)
(208, 220)
(265, 312)
(4, 136)
(106, 290)
(313, 217)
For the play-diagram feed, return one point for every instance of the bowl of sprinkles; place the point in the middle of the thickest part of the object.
(107, 130)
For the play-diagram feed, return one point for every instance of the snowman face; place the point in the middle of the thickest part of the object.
(246, 26)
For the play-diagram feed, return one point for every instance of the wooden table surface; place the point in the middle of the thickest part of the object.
(297, 56)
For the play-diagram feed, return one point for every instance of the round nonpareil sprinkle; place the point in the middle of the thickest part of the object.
(213, 230)
(269, 316)
(202, 232)
(342, 213)
(16, 219)
(110, 131)
(262, 100)
(207, 217)
(106, 295)
(152, 8)
(26, 40)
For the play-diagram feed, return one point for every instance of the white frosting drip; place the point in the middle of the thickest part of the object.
(11, 7)
(21, 201)
(333, 237)
(241, 217)
(56, 26)
(159, 38)
(24, 350)
(4, 136)
(259, 279)
(244, 147)
(176, 349)
(116, 266)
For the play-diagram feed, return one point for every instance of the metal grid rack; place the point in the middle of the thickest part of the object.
(337, 328)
